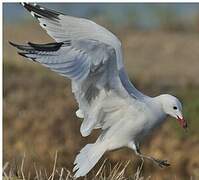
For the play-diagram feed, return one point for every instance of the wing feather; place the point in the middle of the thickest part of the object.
(89, 55)
(90, 64)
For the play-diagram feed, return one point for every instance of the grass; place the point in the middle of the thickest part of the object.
(105, 172)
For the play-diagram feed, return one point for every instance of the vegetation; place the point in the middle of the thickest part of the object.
(104, 172)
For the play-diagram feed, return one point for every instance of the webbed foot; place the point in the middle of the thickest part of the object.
(161, 163)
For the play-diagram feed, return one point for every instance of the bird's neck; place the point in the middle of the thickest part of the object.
(129, 86)
(159, 100)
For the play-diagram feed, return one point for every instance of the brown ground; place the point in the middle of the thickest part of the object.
(39, 108)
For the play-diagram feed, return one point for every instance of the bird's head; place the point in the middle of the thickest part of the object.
(172, 107)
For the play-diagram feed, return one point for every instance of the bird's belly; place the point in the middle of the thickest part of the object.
(134, 126)
(118, 136)
(135, 130)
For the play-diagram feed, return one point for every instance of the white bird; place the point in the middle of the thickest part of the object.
(91, 57)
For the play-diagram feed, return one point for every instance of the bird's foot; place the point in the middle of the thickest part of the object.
(161, 163)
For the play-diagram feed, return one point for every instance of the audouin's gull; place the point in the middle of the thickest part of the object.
(91, 57)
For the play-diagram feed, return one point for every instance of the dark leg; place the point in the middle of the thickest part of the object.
(160, 163)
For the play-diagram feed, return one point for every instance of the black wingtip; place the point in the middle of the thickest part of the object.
(22, 54)
(13, 44)
(20, 47)
(17, 46)
(39, 11)
(46, 47)
(26, 5)
(23, 3)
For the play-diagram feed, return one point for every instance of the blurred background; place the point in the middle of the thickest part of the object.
(161, 55)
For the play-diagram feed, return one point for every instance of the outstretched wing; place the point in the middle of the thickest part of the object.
(62, 27)
(86, 53)
(90, 64)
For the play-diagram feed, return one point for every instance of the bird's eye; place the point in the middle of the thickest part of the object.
(174, 107)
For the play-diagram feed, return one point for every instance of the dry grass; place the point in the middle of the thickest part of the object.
(105, 172)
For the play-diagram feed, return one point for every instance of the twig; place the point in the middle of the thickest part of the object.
(60, 177)
(22, 164)
(121, 173)
(29, 174)
(68, 175)
(139, 169)
(100, 169)
(55, 162)
(5, 166)
(37, 175)
(46, 174)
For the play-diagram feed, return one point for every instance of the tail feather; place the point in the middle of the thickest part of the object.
(87, 158)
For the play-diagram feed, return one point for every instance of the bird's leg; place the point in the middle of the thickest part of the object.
(160, 163)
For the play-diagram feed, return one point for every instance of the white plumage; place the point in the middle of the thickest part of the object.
(91, 57)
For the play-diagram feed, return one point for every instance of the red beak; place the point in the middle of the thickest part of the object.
(182, 122)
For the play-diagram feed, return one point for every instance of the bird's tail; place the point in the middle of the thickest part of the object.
(87, 158)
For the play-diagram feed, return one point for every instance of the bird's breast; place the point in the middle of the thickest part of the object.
(149, 120)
